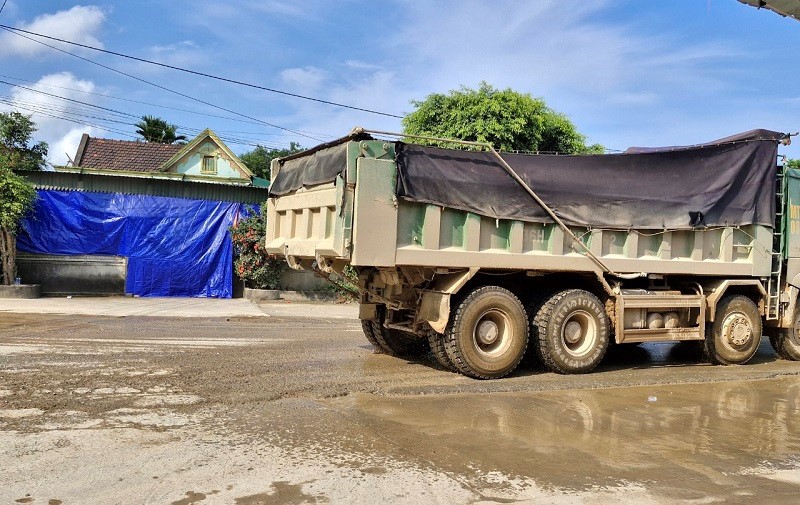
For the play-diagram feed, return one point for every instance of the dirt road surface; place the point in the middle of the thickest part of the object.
(286, 409)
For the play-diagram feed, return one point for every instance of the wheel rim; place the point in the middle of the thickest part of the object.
(737, 330)
(579, 333)
(492, 333)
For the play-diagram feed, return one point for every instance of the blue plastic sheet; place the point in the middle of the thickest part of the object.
(174, 246)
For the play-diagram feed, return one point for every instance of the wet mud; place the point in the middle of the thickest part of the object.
(300, 410)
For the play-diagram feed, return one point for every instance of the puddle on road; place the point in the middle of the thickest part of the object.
(688, 441)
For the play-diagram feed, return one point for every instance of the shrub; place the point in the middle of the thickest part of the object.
(258, 269)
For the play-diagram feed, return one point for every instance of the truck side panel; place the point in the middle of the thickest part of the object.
(362, 217)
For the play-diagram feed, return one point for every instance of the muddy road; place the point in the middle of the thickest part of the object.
(300, 410)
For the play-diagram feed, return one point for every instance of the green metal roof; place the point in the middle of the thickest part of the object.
(260, 183)
(790, 8)
(154, 186)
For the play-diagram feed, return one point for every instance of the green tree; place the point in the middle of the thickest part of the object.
(154, 129)
(509, 120)
(16, 194)
(793, 163)
(16, 151)
(259, 159)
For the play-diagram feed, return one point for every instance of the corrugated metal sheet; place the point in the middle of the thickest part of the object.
(69, 181)
(790, 8)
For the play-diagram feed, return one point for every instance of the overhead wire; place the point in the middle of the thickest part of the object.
(16, 31)
(202, 74)
(81, 119)
(106, 95)
(117, 114)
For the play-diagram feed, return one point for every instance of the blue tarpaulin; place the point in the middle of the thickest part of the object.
(174, 246)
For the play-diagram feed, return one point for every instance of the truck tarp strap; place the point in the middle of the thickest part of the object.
(729, 182)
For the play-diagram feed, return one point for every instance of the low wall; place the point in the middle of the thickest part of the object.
(73, 275)
(105, 275)
(302, 280)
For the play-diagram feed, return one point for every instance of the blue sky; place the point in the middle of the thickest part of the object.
(626, 72)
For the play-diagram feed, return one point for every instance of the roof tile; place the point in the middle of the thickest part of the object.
(126, 155)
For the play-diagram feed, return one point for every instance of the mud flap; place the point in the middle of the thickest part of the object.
(435, 304)
(368, 311)
(435, 309)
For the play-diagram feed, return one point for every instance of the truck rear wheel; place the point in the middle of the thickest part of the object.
(572, 332)
(392, 342)
(786, 341)
(366, 327)
(734, 336)
(487, 334)
(438, 351)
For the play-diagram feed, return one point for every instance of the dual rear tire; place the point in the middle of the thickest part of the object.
(490, 331)
(569, 331)
(392, 342)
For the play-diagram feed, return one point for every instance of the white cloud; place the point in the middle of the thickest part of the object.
(361, 65)
(65, 148)
(303, 79)
(48, 111)
(581, 60)
(80, 24)
(180, 54)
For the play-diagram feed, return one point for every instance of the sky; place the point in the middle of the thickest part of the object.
(627, 72)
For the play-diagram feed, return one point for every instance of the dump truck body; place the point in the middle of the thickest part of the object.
(405, 219)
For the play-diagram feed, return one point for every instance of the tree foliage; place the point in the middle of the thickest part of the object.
(793, 163)
(154, 129)
(16, 150)
(509, 120)
(259, 159)
(16, 194)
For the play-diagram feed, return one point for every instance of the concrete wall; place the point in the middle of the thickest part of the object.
(105, 275)
(74, 275)
(301, 280)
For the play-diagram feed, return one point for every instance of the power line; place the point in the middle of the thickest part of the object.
(203, 74)
(105, 95)
(116, 119)
(10, 30)
(3, 6)
(80, 119)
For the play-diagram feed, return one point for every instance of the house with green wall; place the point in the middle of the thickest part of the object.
(203, 159)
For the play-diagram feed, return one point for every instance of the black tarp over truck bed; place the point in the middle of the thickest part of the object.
(728, 182)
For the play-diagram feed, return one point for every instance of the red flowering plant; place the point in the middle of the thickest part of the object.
(258, 269)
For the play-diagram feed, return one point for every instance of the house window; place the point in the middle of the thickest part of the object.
(209, 165)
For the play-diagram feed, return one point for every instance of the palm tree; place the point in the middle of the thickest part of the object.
(155, 129)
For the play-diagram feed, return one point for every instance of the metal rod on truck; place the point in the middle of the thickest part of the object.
(575, 240)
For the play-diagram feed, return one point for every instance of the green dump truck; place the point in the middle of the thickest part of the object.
(482, 258)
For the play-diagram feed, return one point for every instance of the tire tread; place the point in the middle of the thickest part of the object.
(540, 323)
(450, 337)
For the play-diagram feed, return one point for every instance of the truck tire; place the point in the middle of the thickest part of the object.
(532, 307)
(487, 334)
(786, 341)
(572, 332)
(734, 336)
(366, 327)
(393, 342)
(438, 351)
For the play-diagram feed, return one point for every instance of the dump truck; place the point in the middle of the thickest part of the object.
(483, 259)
